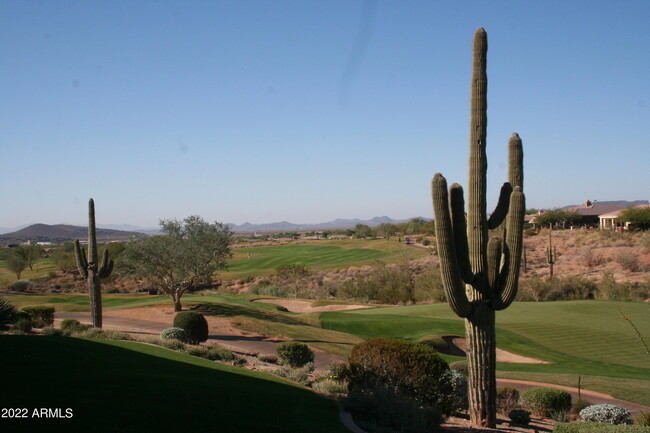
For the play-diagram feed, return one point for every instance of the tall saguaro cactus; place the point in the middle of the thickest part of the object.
(90, 268)
(551, 254)
(480, 274)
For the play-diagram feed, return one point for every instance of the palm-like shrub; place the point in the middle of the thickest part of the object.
(7, 312)
(194, 324)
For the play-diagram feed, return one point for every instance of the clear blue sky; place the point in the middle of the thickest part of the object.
(306, 111)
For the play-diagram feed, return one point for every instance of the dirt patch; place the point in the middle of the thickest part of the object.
(298, 306)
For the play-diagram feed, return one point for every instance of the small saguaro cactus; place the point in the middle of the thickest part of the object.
(90, 268)
(551, 254)
(480, 273)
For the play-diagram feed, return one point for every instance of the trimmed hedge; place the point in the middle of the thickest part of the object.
(41, 315)
(546, 401)
(194, 324)
(294, 353)
(596, 427)
(409, 369)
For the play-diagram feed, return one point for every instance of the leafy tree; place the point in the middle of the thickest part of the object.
(639, 217)
(187, 253)
(362, 231)
(386, 230)
(29, 254)
(63, 260)
(16, 264)
(556, 217)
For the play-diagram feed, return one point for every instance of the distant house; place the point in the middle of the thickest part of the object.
(590, 212)
(610, 220)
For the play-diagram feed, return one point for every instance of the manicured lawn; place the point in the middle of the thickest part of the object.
(319, 255)
(121, 386)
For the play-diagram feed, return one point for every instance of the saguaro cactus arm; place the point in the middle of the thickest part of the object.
(459, 225)
(106, 267)
(509, 275)
(80, 255)
(451, 277)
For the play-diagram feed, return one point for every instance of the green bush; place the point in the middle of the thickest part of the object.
(296, 374)
(42, 316)
(546, 401)
(643, 418)
(519, 416)
(20, 285)
(52, 332)
(294, 353)
(338, 371)
(596, 427)
(329, 387)
(68, 326)
(23, 326)
(174, 333)
(7, 312)
(213, 353)
(507, 399)
(412, 370)
(194, 324)
(578, 405)
(383, 410)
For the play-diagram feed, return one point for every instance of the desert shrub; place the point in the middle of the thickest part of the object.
(294, 353)
(292, 270)
(606, 413)
(23, 326)
(546, 401)
(426, 242)
(357, 290)
(413, 370)
(65, 261)
(459, 366)
(54, 332)
(275, 291)
(507, 399)
(593, 259)
(428, 286)
(557, 289)
(519, 416)
(42, 316)
(7, 312)
(644, 240)
(298, 375)
(394, 286)
(628, 261)
(172, 344)
(213, 353)
(338, 371)
(383, 410)
(271, 359)
(578, 405)
(194, 324)
(436, 342)
(72, 326)
(594, 427)
(174, 333)
(643, 418)
(610, 289)
(329, 387)
(457, 400)
(20, 285)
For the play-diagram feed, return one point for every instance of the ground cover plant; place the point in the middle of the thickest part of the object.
(137, 379)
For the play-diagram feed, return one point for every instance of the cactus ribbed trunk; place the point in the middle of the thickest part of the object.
(94, 283)
(90, 268)
(480, 274)
(481, 355)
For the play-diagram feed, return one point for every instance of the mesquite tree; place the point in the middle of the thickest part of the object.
(480, 273)
(90, 268)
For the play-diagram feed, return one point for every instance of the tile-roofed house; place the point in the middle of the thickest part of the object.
(610, 220)
(590, 212)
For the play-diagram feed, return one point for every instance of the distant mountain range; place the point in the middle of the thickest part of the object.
(60, 233)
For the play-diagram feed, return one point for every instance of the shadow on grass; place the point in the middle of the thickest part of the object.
(124, 386)
(231, 310)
